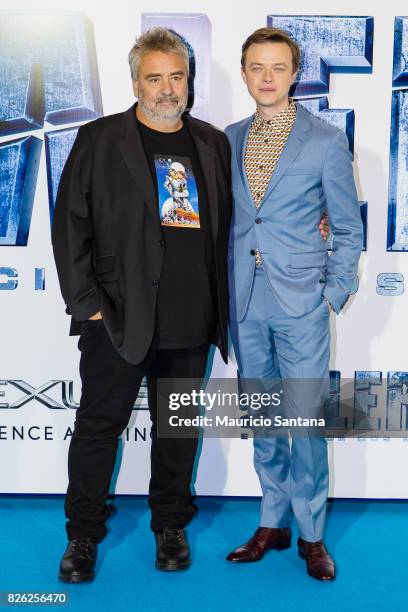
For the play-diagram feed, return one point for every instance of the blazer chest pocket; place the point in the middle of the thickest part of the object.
(315, 259)
(301, 172)
(106, 273)
(302, 165)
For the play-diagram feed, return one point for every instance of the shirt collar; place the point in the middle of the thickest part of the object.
(280, 122)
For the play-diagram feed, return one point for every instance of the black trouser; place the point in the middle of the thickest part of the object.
(110, 386)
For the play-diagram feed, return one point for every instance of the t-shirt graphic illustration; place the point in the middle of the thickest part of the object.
(177, 191)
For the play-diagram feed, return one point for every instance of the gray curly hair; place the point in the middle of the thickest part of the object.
(156, 39)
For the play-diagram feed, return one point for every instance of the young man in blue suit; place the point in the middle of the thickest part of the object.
(288, 167)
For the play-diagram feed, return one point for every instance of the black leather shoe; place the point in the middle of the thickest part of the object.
(172, 550)
(78, 562)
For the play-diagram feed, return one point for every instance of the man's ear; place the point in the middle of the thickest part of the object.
(243, 75)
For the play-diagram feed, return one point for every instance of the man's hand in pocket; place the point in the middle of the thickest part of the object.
(95, 317)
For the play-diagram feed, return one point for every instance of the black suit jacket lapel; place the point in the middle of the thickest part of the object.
(206, 155)
(131, 148)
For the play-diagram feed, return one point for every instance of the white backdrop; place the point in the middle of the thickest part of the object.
(369, 335)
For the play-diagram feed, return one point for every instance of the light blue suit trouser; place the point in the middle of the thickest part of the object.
(269, 344)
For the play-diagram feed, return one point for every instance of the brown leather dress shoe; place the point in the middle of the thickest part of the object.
(319, 563)
(264, 539)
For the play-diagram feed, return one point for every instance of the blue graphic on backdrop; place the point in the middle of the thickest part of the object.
(329, 44)
(400, 67)
(48, 70)
(177, 189)
(365, 401)
(397, 401)
(397, 228)
(11, 279)
(390, 284)
(49, 73)
(58, 144)
(39, 279)
(19, 161)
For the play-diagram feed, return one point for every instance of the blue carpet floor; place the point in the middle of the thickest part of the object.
(367, 539)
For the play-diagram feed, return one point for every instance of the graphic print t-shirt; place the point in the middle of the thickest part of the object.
(187, 291)
(177, 192)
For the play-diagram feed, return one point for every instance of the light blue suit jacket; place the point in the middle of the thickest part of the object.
(314, 173)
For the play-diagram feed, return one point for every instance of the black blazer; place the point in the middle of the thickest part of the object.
(106, 234)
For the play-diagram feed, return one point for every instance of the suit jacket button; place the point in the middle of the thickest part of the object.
(252, 251)
(162, 243)
(258, 220)
(155, 283)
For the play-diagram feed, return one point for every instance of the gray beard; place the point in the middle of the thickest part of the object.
(155, 114)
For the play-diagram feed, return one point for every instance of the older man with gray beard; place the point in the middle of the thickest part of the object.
(147, 291)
